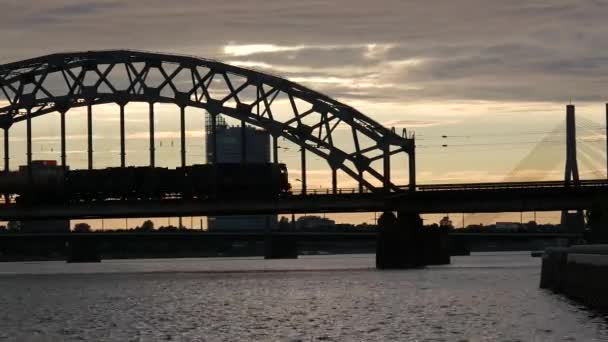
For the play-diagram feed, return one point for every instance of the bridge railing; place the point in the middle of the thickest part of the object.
(459, 187)
(510, 185)
(329, 191)
(598, 183)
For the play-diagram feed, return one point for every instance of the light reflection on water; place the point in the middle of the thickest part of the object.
(485, 297)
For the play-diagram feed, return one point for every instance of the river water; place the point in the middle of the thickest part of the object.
(484, 297)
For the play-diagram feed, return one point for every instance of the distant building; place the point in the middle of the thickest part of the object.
(314, 222)
(508, 226)
(445, 222)
(230, 150)
(44, 226)
(229, 145)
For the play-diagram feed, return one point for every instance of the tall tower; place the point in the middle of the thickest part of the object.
(236, 144)
(571, 176)
(574, 222)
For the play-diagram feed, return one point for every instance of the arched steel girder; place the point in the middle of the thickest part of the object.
(122, 76)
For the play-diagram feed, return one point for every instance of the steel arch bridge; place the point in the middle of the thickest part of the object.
(59, 82)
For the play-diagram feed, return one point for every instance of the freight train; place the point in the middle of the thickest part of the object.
(45, 181)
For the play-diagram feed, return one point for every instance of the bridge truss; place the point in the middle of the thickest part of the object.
(59, 82)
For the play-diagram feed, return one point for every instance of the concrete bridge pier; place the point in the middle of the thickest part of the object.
(437, 246)
(399, 241)
(83, 249)
(280, 247)
(597, 219)
(403, 243)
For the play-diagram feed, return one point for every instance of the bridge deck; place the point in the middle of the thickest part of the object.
(469, 198)
(246, 235)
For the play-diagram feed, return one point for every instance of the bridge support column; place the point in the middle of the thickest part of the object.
(63, 147)
(573, 222)
(387, 168)
(6, 150)
(7, 198)
(83, 249)
(152, 162)
(280, 247)
(598, 221)
(334, 181)
(243, 142)
(122, 136)
(396, 247)
(402, 243)
(213, 138)
(275, 149)
(29, 137)
(411, 158)
(182, 134)
(360, 183)
(303, 168)
(90, 136)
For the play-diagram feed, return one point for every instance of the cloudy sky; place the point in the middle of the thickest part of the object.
(493, 76)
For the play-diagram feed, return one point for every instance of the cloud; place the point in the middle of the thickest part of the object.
(82, 8)
(417, 123)
(481, 176)
(165, 135)
(476, 50)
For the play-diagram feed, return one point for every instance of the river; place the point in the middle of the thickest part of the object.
(483, 297)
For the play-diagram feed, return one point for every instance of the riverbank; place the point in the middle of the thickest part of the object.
(579, 272)
(161, 245)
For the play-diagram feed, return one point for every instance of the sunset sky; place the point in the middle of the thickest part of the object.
(492, 76)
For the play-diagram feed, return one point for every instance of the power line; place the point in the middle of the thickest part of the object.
(492, 144)
(480, 149)
(469, 136)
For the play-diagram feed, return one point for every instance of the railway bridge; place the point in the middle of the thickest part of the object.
(58, 83)
(309, 119)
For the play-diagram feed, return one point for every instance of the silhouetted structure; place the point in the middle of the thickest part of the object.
(245, 145)
(36, 87)
(308, 119)
(573, 222)
(310, 222)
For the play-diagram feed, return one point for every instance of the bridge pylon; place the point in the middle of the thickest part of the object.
(574, 221)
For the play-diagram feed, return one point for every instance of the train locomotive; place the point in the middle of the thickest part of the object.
(45, 181)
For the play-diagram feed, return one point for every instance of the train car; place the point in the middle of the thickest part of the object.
(119, 182)
(197, 181)
(251, 180)
(41, 181)
(82, 184)
(149, 182)
(47, 182)
(235, 180)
